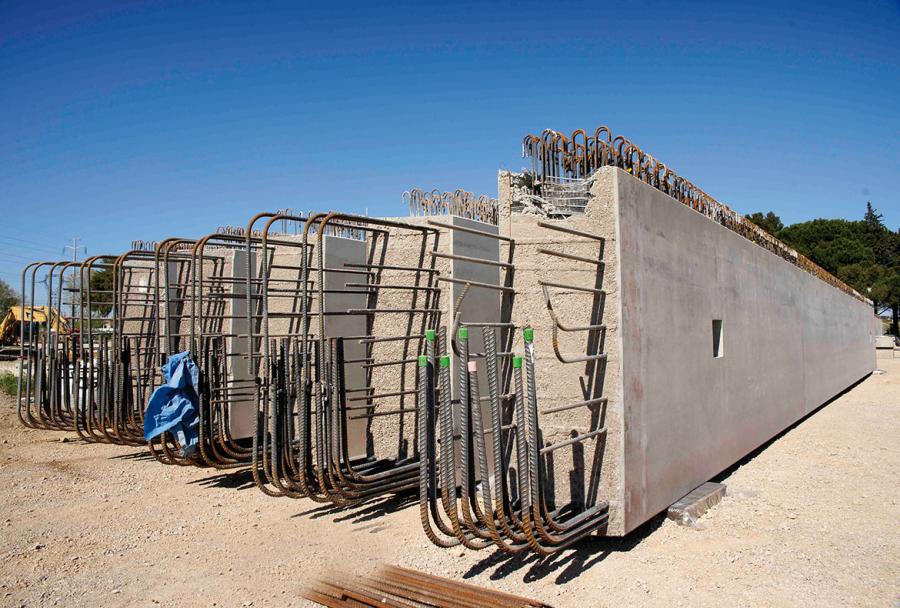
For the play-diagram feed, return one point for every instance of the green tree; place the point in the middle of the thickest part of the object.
(8, 298)
(101, 293)
(864, 254)
(873, 219)
(830, 243)
(769, 222)
(866, 278)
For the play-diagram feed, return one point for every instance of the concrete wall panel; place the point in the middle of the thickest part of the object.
(241, 410)
(338, 251)
(791, 342)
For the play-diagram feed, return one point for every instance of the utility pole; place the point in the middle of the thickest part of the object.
(75, 248)
(76, 279)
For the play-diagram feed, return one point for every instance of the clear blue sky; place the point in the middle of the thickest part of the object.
(145, 120)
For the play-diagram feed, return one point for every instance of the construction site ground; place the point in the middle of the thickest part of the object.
(813, 519)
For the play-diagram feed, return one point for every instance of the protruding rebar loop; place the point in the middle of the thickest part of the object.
(555, 156)
(523, 443)
(61, 383)
(448, 461)
(577, 526)
(435, 345)
(313, 459)
(503, 511)
(276, 449)
(172, 263)
(598, 295)
(52, 345)
(427, 478)
(468, 498)
(459, 203)
(133, 311)
(215, 351)
(400, 474)
(30, 362)
(487, 514)
(369, 480)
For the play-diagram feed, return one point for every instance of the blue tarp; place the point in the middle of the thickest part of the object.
(173, 406)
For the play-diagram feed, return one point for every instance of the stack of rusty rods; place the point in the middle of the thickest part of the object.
(392, 587)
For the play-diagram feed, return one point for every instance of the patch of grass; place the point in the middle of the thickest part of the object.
(8, 383)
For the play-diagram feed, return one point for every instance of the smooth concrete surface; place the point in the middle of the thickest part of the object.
(480, 304)
(172, 280)
(336, 252)
(886, 347)
(790, 343)
(241, 410)
(885, 342)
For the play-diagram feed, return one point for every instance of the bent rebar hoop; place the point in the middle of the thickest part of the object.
(482, 512)
(556, 157)
(460, 203)
(86, 403)
(346, 480)
(25, 354)
(213, 301)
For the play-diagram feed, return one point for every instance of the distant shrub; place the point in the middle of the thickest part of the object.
(8, 383)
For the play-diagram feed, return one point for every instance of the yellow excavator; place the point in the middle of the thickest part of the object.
(40, 315)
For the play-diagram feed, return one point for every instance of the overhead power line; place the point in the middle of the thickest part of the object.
(36, 251)
(42, 244)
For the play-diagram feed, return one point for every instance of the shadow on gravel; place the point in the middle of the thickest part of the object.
(567, 564)
(361, 513)
(142, 455)
(238, 480)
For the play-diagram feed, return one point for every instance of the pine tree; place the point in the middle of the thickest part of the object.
(873, 219)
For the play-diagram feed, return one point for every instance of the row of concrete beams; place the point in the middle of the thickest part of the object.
(308, 343)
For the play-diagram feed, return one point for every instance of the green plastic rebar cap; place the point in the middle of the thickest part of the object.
(529, 334)
(517, 362)
(429, 335)
(463, 333)
(423, 361)
(445, 361)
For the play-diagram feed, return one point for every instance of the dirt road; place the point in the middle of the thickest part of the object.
(811, 520)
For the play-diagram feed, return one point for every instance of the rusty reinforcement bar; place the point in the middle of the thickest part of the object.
(556, 157)
(394, 587)
(459, 203)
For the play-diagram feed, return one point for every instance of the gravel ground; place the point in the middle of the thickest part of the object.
(811, 520)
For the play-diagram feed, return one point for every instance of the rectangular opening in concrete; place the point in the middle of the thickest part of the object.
(718, 339)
